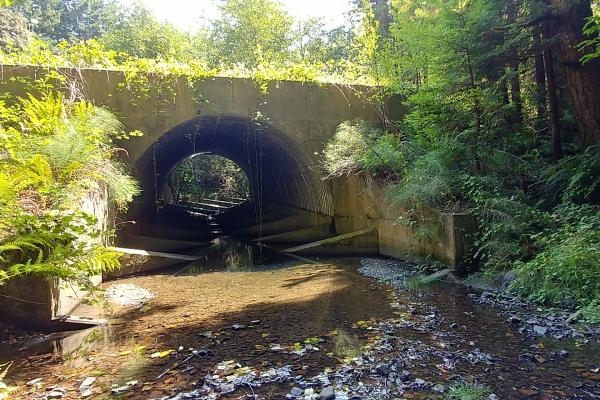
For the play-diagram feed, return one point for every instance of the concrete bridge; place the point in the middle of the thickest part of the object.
(277, 138)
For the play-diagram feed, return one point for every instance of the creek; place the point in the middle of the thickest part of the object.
(247, 322)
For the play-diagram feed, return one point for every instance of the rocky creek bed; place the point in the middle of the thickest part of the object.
(338, 329)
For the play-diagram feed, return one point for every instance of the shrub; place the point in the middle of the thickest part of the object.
(567, 270)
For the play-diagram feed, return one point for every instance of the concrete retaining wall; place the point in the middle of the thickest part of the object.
(360, 202)
(36, 302)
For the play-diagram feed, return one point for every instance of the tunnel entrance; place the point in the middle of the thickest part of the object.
(203, 186)
(206, 179)
(282, 190)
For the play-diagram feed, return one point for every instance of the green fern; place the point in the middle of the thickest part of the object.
(57, 153)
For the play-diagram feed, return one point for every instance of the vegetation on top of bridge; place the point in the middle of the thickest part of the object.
(252, 39)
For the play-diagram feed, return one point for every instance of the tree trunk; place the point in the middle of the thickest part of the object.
(582, 81)
(513, 65)
(381, 11)
(553, 110)
(540, 79)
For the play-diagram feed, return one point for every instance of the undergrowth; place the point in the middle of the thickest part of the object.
(468, 391)
(538, 218)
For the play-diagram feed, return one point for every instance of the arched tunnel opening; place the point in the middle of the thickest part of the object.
(206, 177)
(283, 183)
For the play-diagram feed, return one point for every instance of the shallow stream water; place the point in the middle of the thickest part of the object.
(247, 321)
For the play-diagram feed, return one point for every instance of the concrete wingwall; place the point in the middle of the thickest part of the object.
(360, 202)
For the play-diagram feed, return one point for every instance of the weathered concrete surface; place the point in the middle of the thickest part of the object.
(361, 202)
(299, 220)
(29, 300)
(318, 232)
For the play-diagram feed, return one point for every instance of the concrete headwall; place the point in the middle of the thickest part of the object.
(360, 202)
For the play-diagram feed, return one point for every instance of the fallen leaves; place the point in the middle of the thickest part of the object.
(162, 354)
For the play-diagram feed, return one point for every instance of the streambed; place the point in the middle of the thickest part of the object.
(266, 326)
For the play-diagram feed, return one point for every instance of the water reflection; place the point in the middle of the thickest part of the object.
(231, 255)
(68, 345)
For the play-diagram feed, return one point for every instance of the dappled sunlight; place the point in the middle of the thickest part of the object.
(249, 313)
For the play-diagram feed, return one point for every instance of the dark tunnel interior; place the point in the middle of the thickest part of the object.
(279, 174)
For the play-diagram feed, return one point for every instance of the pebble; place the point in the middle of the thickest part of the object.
(439, 388)
(540, 330)
(34, 382)
(383, 370)
(327, 393)
(124, 388)
(87, 383)
(404, 376)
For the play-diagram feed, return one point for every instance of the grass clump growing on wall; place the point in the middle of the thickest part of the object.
(357, 146)
(56, 153)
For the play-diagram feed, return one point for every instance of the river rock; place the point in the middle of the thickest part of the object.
(87, 383)
(439, 388)
(404, 376)
(540, 330)
(327, 393)
(35, 382)
(383, 370)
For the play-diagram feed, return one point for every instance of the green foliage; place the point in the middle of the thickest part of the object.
(357, 146)
(71, 20)
(56, 153)
(13, 30)
(54, 245)
(249, 32)
(591, 312)
(468, 391)
(207, 176)
(575, 179)
(592, 31)
(567, 270)
(139, 34)
(433, 178)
